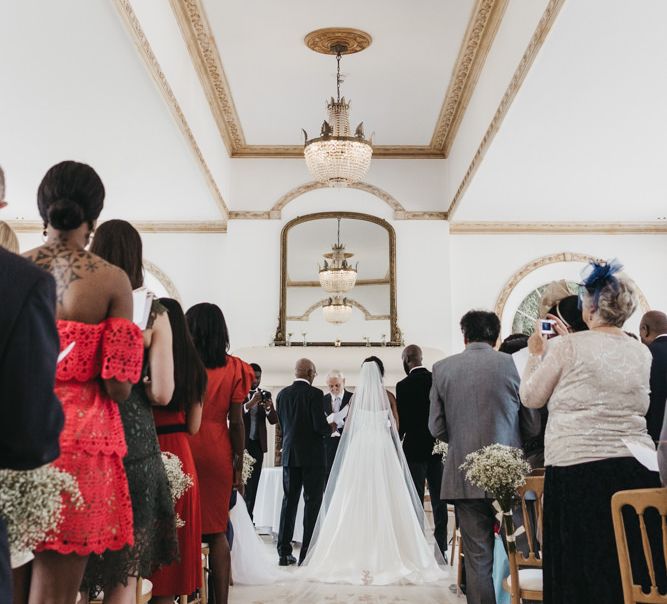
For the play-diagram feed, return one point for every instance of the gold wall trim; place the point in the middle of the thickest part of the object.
(369, 316)
(610, 228)
(253, 215)
(198, 35)
(163, 278)
(533, 265)
(134, 27)
(407, 215)
(541, 31)
(477, 42)
(212, 226)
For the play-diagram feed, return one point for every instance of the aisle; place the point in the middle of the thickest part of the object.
(316, 593)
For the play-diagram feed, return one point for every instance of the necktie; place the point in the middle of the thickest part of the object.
(336, 404)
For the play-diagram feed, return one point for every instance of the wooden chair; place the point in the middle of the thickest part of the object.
(639, 500)
(526, 571)
(144, 591)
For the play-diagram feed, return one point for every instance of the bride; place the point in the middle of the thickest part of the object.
(370, 529)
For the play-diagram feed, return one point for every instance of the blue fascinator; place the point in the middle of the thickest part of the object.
(596, 276)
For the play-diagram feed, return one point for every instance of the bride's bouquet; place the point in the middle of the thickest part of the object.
(440, 448)
(179, 481)
(31, 503)
(248, 464)
(499, 470)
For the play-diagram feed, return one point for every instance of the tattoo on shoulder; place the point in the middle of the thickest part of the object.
(67, 265)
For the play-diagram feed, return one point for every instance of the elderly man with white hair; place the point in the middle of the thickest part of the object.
(335, 406)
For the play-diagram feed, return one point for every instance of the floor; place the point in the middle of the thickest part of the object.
(302, 592)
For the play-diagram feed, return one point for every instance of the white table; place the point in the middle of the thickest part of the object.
(268, 504)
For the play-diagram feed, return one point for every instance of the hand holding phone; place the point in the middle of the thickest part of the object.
(547, 327)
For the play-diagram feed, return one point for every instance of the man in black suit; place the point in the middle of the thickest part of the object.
(413, 402)
(256, 410)
(31, 416)
(304, 428)
(653, 333)
(335, 402)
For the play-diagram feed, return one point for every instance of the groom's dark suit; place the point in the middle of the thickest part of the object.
(304, 426)
(331, 443)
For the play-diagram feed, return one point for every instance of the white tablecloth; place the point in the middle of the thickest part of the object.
(268, 504)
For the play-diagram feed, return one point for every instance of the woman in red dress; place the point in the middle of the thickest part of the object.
(217, 448)
(94, 310)
(182, 416)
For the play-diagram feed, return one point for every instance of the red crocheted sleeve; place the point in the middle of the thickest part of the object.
(122, 351)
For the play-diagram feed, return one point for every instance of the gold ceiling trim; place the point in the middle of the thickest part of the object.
(477, 42)
(541, 31)
(134, 27)
(324, 40)
(205, 56)
(369, 316)
(607, 228)
(163, 278)
(210, 226)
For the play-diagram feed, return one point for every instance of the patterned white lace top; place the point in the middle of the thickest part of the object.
(597, 387)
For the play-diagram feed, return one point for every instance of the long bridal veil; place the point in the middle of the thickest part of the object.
(371, 528)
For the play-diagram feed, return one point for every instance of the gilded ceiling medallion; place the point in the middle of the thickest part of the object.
(326, 40)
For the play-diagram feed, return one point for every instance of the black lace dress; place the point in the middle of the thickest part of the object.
(155, 541)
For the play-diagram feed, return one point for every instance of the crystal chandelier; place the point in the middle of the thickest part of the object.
(337, 275)
(337, 158)
(337, 310)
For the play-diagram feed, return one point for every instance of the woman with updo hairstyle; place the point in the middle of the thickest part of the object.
(596, 383)
(390, 395)
(103, 357)
(155, 542)
(8, 238)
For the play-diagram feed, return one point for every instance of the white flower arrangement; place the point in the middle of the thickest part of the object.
(440, 448)
(31, 503)
(179, 481)
(248, 465)
(499, 470)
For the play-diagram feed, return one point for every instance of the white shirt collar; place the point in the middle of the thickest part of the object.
(418, 367)
(662, 335)
(302, 380)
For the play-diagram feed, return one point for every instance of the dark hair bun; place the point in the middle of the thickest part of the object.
(65, 215)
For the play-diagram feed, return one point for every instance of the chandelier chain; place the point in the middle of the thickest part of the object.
(338, 57)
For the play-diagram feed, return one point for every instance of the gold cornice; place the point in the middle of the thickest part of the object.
(198, 35)
(477, 42)
(605, 228)
(211, 226)
(426, 215)
(134, 27)
(204, 53)
(541, 31)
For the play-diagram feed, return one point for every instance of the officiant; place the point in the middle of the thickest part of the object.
(335, 403)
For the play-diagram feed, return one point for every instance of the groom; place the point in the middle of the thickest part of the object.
(304, 427)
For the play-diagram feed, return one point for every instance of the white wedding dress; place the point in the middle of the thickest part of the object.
(371, 526)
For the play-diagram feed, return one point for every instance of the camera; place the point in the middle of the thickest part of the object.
(265, 395)
(547, 326)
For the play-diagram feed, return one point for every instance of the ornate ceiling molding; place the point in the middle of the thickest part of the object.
(205, 56)
(211, 226)
(163, 278)
(477, 42)
(609, 228)
(543, 27)
(134, 27)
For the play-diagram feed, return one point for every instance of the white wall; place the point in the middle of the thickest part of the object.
(482, 265)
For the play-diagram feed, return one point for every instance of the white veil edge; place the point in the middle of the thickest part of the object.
(370, 398)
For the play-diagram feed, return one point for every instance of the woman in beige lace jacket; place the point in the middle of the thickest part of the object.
(596, 383)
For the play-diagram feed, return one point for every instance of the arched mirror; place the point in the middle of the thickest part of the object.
(338, 281)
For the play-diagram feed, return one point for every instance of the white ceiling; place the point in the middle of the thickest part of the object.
(397, 85)
(585, 137)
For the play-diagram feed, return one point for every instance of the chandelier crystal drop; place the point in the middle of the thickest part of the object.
(337, 157)
(337, 310)
(337, 275)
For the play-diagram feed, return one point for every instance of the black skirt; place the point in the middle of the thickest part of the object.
(580, 560)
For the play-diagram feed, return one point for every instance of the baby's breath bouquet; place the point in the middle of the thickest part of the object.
(248, 464)
(440, 448)
(31, 503)
(179, 481)
(499, 470)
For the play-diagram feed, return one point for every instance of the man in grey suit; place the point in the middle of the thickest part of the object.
(474, 403)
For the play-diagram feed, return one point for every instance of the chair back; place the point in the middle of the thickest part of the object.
(639, 501)
(531, 497)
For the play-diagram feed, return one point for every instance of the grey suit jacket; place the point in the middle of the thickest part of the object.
(474, 403)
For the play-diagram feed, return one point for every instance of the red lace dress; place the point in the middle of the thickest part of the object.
(92, 443)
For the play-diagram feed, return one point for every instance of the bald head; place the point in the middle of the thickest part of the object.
(305, 370)
(652, 325)
(412, 357)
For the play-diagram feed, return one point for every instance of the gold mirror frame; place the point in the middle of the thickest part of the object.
(396, 338)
